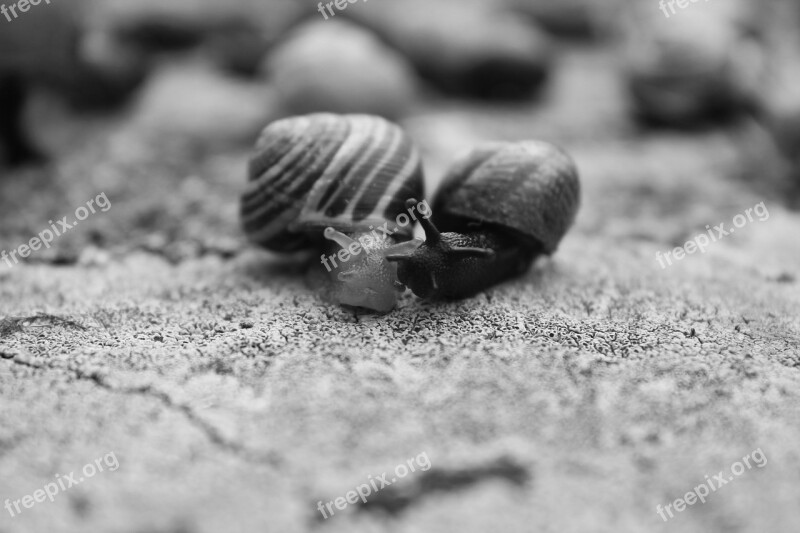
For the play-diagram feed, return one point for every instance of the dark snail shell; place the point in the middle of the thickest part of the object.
(349, 172)
(529, 188)
(498, 209)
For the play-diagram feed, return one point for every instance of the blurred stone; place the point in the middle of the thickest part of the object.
(107, 73)
(42, 41)
(236, 34)
(338, 67)
(49, 46)
(197, 104)
(700, 68)
(239, 49)
(16, 147)
(783, 119)
(193, 15)
(780, 113)
(52, 45)
(573, 18)
(779, 103)
(464, 49)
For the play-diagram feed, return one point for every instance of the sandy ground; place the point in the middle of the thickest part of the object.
(577, 398)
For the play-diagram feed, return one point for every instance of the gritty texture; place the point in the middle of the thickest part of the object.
(576, 398)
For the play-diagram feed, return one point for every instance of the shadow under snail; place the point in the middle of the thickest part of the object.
(325, 182)
(498, 209)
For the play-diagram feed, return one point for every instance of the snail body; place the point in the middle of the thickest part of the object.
(498, 209)
(324, 181)
(453, 265)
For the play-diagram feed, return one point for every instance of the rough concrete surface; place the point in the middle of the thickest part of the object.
(577, 398)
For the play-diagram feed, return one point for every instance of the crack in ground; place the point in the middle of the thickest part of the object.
(211, 432)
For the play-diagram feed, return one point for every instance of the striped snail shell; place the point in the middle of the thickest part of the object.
(349, 172)
(334, 177)
(499, 208)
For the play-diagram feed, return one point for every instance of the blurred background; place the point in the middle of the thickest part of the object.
(158, 103)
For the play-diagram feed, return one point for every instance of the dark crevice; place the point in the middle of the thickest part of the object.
(396, 498)
(20, 360)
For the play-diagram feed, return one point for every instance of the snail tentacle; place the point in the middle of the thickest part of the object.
(338, 237)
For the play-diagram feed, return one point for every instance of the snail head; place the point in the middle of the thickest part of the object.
(363, 277)
(422, 264)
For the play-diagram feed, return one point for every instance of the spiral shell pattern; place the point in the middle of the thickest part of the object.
(350, 172)
(528, 187)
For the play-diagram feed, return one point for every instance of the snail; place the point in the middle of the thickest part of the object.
(498, 209)
(335, 183)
